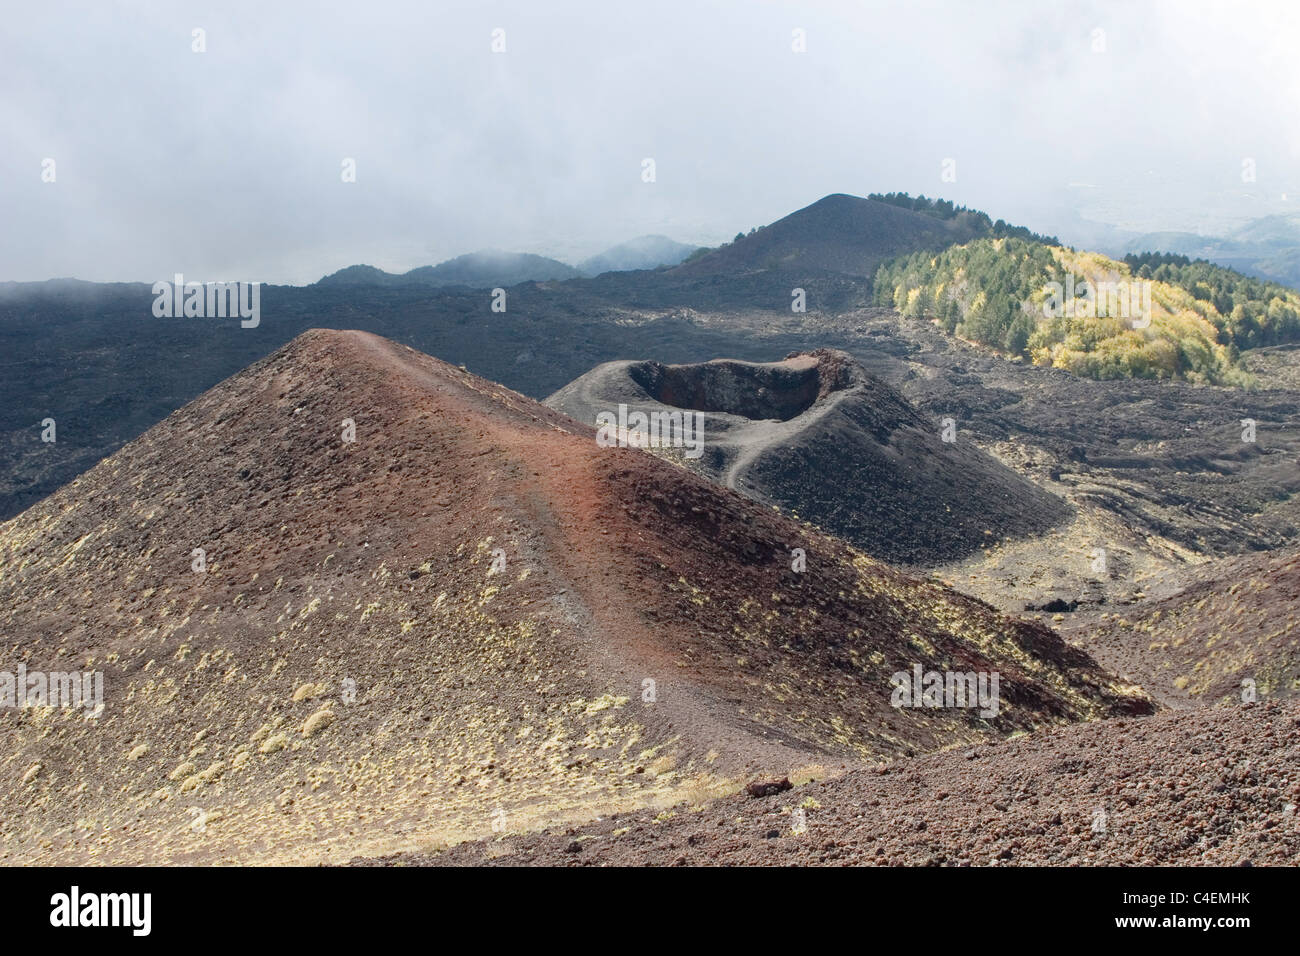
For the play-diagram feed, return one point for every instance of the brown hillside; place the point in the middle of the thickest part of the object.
(482, 694)
(1235, 622)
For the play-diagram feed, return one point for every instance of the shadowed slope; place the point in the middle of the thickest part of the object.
(449, 623)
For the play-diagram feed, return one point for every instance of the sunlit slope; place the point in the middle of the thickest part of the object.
(1150, 316)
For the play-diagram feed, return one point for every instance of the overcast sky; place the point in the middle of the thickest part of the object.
(228, 163)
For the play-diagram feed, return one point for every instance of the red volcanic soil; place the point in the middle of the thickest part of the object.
(469, 613)
(1217, 787)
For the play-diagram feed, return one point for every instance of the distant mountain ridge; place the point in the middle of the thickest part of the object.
(839, 234)
(1268, 247)
(488, 268)
(643, 252)
(483, 269)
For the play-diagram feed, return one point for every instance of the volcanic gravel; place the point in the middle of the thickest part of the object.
(1219, 786)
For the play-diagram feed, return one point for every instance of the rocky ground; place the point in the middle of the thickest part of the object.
(1216, 787)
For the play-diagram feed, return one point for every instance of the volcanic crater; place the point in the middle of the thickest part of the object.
(816, 435)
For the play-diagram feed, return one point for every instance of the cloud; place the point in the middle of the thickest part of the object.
(227, 163)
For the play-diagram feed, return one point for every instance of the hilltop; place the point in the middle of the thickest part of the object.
(643, 252)
(838, 233)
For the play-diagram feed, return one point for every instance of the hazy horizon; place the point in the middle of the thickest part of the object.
(228, 163)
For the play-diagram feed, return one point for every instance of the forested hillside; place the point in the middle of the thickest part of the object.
(1093, 315)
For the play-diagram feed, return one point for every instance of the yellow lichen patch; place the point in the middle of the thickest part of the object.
(603, 702)
(184, 770)
(807, 774)
(308, 691)
(661, 765)
(318, 721)
(273, 743)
